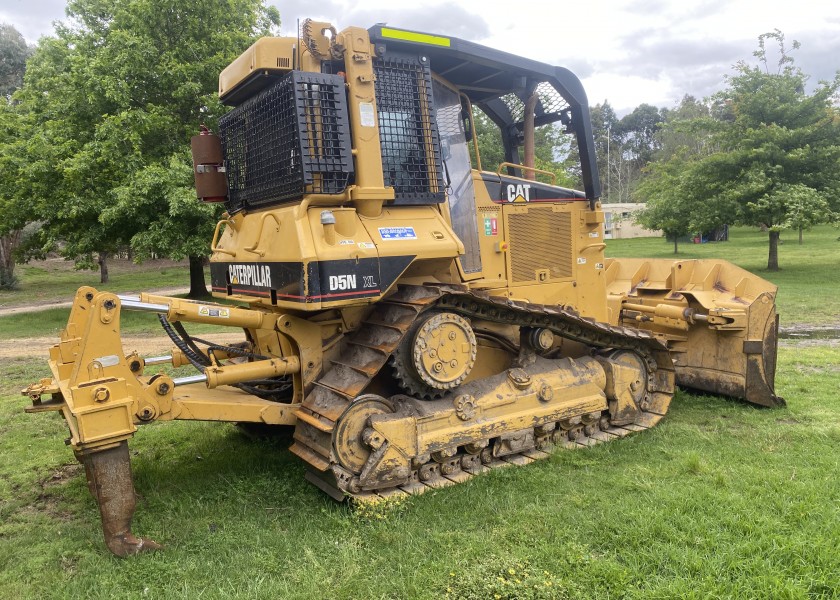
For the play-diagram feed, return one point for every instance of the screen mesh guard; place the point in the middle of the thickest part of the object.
(291, 139)
(411, 160)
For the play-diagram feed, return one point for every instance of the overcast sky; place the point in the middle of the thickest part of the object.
(625, 51)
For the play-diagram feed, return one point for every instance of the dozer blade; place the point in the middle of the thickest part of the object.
(718, 320)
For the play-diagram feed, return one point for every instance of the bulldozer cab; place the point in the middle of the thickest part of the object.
(421, 106)
(468, 75)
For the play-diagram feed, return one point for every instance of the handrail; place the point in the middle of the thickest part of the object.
(213, 246)
(253, 247)
(532, 169)
(596, 246)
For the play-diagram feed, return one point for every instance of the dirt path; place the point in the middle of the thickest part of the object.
(39, 306)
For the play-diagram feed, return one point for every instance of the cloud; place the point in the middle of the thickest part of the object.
(697, 10)
(812, 58)
(579, 65)
(629, 51)
(666, 67)
(650, 55)
(30, 16)
(444, 19)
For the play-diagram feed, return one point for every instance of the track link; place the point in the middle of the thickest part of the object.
(367, 350)
(363, 356)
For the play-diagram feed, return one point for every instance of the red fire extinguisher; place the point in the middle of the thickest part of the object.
(208, 166)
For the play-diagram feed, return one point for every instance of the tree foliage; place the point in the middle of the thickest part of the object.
(13, 54)
(766, 155)
(666, 208)
(115, 96)
(553, 150)
(624, 147)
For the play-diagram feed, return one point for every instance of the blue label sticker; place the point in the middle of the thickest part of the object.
(397, 233)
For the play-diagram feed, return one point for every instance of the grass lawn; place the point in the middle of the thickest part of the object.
(51, 321)
(721, 499)
(56, 280)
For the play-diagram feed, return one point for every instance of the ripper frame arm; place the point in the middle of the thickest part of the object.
(103, 395)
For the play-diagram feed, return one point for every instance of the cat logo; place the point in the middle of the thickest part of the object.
(519, 193)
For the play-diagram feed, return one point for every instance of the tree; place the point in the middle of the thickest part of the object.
(116, 95)
(10, 230)
(770, 151)
(674, 202)
(783, 143)
(13, 54)
(637, 130)
(553, 153)
(489, 139)
(552, 149)
(665, 208)
(624, 147)
(605, 135)
(686, 129)
(805, 208)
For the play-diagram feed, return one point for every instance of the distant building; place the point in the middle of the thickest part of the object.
(619, 223)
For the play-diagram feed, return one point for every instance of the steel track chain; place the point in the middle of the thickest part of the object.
(368, 349)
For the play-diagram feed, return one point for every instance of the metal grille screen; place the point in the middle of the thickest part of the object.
(411, 160)
(290, 139)
(540, 239)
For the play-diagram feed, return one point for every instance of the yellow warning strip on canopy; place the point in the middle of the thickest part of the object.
(413, 36)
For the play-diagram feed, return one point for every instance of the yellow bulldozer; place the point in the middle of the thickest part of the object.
(414, 316)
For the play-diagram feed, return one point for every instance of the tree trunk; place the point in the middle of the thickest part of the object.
(8, 245)
(103, 266)
(800, 236)
(675, 243)
(773, 257)
(198, 287)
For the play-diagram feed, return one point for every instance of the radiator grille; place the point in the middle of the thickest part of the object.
(540, 239)
(291, 139)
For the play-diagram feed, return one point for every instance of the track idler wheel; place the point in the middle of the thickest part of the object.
(628, 385)
(110, 482)
(353, 439)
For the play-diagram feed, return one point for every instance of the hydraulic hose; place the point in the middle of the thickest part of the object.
(200, 361)
(197, 361)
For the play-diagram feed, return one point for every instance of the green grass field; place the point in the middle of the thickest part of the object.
(56, 280)
(721, 500)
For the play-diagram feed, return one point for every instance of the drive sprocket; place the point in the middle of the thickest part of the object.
(436, 356)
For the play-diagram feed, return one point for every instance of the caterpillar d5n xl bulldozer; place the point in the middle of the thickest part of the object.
(415, 317)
